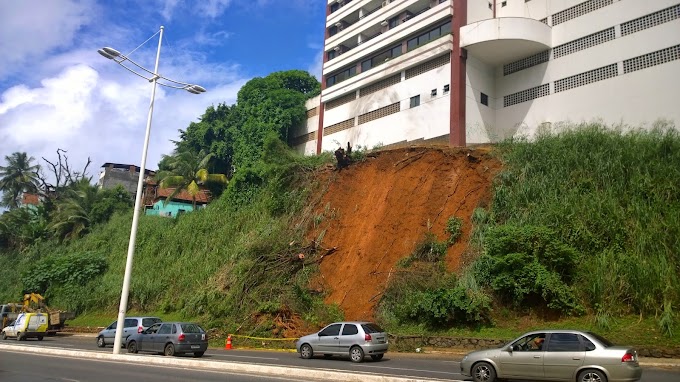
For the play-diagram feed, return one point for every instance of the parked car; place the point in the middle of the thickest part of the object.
(556, 355)
(170, 338)
(27, 325)
(355, 339)
(132, 325)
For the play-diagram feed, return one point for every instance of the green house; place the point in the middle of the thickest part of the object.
(155, 198)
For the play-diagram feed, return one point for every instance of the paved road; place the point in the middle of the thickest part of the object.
(27, 367)
(436, 366)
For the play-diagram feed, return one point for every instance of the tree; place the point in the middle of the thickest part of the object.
(187, 171)
(18, 176)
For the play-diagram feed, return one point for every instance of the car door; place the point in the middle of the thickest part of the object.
(348, 337)
(162, 337)
(523, 359)
(563, 356)
(145, 341)
(329, 339)
(110, 332)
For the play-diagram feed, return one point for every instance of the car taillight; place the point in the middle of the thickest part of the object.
(368, 337)
(140, 329)
(628, 357)
(181, 337)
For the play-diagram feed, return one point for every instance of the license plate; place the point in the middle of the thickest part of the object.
(195, 346)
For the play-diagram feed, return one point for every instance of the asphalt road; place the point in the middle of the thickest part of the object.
(27, 367)
(436, 366)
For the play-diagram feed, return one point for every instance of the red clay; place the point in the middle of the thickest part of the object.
(376, 211)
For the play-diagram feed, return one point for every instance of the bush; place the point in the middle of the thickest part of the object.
(529, 265)
(454, 227)
(63, 270)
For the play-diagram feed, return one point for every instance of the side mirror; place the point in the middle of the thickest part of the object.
(509, 349)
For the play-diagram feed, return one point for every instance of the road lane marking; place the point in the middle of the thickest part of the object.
(406, 369)
(241, 356)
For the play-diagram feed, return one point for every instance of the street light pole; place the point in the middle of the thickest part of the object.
(195, 89)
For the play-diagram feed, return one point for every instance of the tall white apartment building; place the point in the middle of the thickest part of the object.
(479, 71)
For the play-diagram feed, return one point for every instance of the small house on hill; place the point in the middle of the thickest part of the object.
(155, 201)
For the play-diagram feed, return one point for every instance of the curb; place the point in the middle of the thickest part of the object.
(227, 366)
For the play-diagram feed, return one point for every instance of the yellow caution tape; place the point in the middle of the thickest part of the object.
(264, 339)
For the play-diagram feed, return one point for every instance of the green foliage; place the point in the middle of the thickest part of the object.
(454, 227)
(19, 175)
(612, 194)
(529, 266)
(62, 270)
(236, 134)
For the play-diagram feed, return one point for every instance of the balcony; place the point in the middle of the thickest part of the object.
(376, 23)
(502, 40)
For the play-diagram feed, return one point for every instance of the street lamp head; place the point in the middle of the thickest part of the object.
(194, 89)
(103, 53)
(109, 53)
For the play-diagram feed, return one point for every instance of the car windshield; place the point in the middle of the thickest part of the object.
(605, 342)
(191, 328)
(372, 328)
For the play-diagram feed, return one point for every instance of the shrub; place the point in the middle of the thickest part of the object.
(528, 264)
(454, 227)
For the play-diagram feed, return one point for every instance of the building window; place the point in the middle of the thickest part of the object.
(446, 88)
(331, 54)
(332, 31)
(393, 22)
(433, 92)
(335, 6)
(381, 58)
(341, 76)
(415, 101)
(428, 36)
(485, 99)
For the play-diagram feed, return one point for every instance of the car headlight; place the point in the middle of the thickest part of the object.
(464, 359)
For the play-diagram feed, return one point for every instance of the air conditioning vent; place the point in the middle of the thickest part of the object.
(384, 23)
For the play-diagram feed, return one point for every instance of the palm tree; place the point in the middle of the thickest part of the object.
(72, 215)
(17, 177)
(187, 171)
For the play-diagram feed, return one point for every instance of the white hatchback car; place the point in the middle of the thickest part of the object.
(355, 339)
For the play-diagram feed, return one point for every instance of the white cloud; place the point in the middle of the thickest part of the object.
(28, 34)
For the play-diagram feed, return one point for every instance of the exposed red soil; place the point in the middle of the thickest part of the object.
(377, 210)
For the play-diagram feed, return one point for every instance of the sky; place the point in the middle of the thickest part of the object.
(57, 92)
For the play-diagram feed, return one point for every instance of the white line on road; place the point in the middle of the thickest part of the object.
(240, 356)
(405, 369)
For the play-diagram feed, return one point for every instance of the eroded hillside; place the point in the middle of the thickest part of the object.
(377, 210)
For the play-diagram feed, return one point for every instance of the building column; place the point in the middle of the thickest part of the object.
(458, 70)
(319, 132)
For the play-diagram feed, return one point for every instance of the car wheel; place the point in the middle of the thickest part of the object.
(483, 372)
(20, 336)
(306, 351)
(132, 347)
(356, 354)
(198, 354)
(40, 338)
(100, 342)
(4, 336)
(592, 375)
(169, 350)
(377, 357)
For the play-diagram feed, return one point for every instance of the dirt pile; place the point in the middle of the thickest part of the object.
(377, 210)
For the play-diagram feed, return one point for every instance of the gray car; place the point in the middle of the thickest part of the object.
(354, 339)
(170, 338)
(555, 355)
(132, 325)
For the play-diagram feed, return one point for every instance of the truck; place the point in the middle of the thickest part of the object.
(34, 303)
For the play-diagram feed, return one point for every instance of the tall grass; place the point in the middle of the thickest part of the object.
(613, 193)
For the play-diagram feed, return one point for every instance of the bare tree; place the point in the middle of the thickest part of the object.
(64, 174)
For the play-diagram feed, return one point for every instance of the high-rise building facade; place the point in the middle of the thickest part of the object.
(479, 71)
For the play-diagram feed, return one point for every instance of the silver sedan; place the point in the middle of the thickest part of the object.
(555, 355)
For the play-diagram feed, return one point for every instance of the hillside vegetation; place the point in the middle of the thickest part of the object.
(582, 222)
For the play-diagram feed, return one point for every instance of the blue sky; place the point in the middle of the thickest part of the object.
(57, 92)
